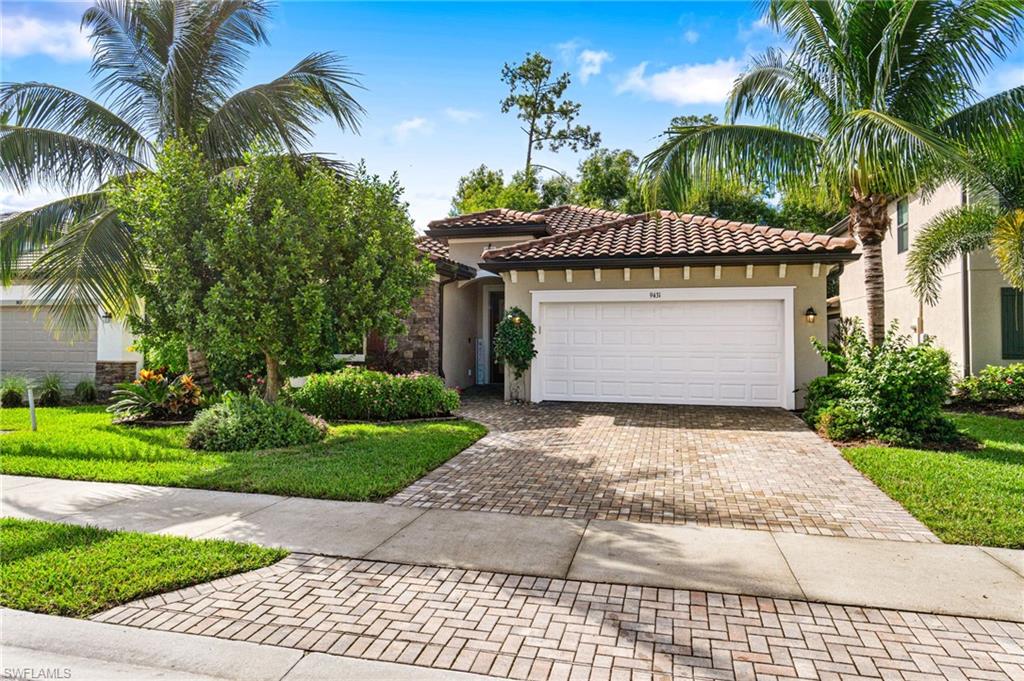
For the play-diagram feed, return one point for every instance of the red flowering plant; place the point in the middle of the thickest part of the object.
(155, 396)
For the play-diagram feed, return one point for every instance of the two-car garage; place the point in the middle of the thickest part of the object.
(718, 346)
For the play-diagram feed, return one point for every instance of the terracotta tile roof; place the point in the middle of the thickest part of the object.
(667, 235)
(433, 248)
(437, 252)
(496, 217)
(568, 218)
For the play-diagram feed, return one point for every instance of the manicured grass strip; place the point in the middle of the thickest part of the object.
(963, 497)
(357, 462)
(78, 571)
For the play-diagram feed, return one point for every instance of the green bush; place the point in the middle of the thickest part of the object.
(822, 393)
(85, 391)
(838, 422)
(896, 389)
(12, 391)
(51, 391)
(245, 422)
(992, 385)
(359, 394)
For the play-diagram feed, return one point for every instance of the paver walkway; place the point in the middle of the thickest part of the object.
(551, 629)
(748, 468)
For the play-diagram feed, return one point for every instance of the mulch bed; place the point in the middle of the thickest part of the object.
(1006, 411)
(150, 423)
(961, 444)
(399, 422)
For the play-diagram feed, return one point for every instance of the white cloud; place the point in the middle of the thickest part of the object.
(684, 84)
(410, 126)
(461, 115)
(22, 35)
(591, 62)
(567, 50)
(15, 202)
(691, 36)
(756, 29)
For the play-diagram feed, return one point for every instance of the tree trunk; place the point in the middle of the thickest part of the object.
(273, 386)
(869, 222)
(199, 367)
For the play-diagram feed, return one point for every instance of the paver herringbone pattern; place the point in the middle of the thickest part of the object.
(545, 629)
(747, 468)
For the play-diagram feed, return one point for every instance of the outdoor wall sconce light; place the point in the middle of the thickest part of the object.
(810, 315)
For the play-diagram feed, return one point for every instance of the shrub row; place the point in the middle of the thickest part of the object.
(359, 394)
(247, 422)
(992, 385)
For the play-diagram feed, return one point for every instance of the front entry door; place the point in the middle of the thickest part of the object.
(495, 310)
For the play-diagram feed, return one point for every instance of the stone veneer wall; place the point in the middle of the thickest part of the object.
(419, 347)
(109, 374)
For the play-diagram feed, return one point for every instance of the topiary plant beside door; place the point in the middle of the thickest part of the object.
(513, 345)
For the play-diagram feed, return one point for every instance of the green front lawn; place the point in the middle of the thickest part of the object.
(78, 571)
(963, 497)
(357, 461)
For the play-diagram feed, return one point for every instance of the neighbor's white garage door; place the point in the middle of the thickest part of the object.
(726, 352)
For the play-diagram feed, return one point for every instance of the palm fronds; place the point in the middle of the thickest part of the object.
(951, 233)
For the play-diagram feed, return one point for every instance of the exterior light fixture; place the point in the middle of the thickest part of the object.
(810, 315)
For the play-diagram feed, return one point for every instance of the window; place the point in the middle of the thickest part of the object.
(902, 225)
(1012, 316)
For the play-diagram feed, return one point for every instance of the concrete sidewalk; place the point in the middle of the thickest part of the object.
(84, 650)
(933, 578)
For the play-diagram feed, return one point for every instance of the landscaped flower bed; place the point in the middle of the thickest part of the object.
(355, 394)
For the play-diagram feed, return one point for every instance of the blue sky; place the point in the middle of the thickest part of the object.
(431, 72)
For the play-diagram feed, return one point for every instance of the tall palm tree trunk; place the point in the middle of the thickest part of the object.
(869, 222)
(199, 367)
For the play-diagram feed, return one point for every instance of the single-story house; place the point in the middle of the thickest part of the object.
(29, 350)
(651, 308)
(979, 318)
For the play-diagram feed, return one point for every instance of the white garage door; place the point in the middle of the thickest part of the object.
(28, 350)
(726, 352)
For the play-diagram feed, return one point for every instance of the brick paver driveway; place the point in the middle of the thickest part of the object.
(714, 466)
(558, 630)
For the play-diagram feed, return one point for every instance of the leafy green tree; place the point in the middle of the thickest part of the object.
(164, 70)
(307, 264)
(873, 100)
(606, 179)
(484, 189)
(557, 190)
(994, 219)
(169, 210)
(278, 258)
(478, 190)
(548, 119)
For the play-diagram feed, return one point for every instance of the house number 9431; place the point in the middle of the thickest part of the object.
(655, 294)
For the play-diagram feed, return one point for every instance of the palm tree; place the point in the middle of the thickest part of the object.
(993, 219)
(875, 99)
(164, 69)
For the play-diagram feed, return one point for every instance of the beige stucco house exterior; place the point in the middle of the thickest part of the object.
(650, 308)
(979, 318)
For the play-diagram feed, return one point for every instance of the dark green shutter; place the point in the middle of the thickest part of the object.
(1012, 314)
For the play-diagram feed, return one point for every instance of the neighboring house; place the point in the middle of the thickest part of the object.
(979, 318)
(650, 308)
(29, 350)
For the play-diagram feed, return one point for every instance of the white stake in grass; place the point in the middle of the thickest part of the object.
(32, 409)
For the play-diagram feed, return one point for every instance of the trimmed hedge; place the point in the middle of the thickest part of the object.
(356, 394)
(246, 423)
